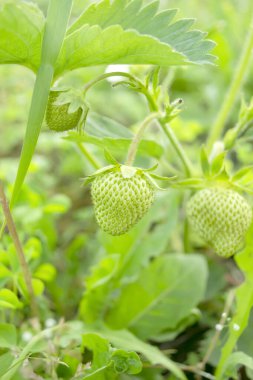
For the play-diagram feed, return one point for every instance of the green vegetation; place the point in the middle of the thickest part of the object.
(126, 186)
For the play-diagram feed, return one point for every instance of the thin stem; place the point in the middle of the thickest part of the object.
(177, 146)
(89, 156)
(20, 253)
(153, 108)
(233, 90)
(137, 138)
(213, 343)
(100, 78)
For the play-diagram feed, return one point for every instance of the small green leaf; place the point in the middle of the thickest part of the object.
(8, 335)
(9, 300)
(4, 272)
(128, 362)
(37, 284)
(59, 203)
(204, 162)
(45, 272)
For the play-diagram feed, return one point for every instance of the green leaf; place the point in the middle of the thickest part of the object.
(133, 15)
(45, 272)
(98, 285)
(9, 300)
(5, 362)
(126, 340)
(128, 255)
(108, 134)
(21, 27)
(37, 284)
(4, 272)
(100, 348)
(124, 361)
(105, 359)
(59, 203)
(163, 295)
(8, 335)
(53, 36)
(244, 302)
(235, 360)
(119, 47)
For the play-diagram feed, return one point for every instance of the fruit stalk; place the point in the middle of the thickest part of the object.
(137, 138)
(20, 253)
(233, 90)
(177, 146)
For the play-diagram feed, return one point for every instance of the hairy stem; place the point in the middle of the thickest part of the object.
(213, 343)
(178, 147)
(100, 78)
(233, 90)
(20, 253)
(153, 106)
(137, 138)
(89, 156)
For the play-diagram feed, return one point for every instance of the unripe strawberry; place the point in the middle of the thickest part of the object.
(222, 218)
(58, 116)
(120, 201)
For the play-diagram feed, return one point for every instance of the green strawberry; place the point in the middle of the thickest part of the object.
(121, 196)
(59, 117)
(222, 218)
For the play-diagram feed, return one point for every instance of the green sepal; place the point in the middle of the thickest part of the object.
(191, 183)
(205, 165)
(153, 182)
(91, 177)
(217, 165)
(150, 169)
(162, 178)
(109, 158)
(242, 173)
(72, 97)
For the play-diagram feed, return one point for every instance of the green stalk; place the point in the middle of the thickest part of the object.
(154, 108)
(20, 252)
(137, 138)
(233, 90)
(89, 156)
(55, 29)
(178, 147)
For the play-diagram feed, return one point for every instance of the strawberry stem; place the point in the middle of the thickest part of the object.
(19, 249)
(137, 138)
(233, 90)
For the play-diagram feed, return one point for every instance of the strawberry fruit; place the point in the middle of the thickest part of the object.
(58, 116)
(222, 218)
(121, 196)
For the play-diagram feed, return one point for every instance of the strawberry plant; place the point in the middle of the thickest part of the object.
(126, 238)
